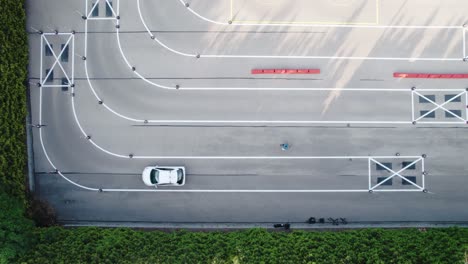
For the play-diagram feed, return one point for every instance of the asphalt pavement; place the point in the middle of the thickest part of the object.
(169, 84)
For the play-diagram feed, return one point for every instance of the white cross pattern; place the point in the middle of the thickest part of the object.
(397, 173)
(69, 42)
(440, 106)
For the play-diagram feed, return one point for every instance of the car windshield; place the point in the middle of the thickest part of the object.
(154, 176)
(180, 176)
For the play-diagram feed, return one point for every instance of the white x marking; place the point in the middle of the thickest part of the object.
(396, 173)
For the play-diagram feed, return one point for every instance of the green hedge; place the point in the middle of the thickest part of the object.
(15, 229)
(13, 75)
(94, 245)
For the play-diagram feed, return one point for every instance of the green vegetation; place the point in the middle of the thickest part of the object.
(21, 242)
(95, 245)
(15, 229)
(13, 74)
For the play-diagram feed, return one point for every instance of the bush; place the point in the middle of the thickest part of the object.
(95, 245)
(13, 75)
(15, 229)
(42, 213)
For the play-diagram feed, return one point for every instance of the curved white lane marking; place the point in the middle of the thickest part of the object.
(198, 157)
(46, 153)
(246, 56)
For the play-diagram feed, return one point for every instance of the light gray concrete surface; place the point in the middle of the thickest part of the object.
(117, 85)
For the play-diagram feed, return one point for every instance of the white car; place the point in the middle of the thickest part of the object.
(163, 176)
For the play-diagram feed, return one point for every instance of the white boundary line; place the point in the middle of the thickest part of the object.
(153, 37)
(73, 62)
(412, 106)
(42, 60)
(423, 174)
(466, 108)
(369, 172)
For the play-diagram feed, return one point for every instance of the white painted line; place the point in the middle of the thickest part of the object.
(466, 106)
(423, 173)
(175, 121)
(55, 34)
(42, 60)
(397, 190)
(440, 90)
(101, 18)
(369, 170)
(306, 89)
(256, 191)
(86, 39)
(266, 157)
(156, 39)
(411, 59)
(53, 85)
(73, 62)
(441, 122)
(412, 106)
